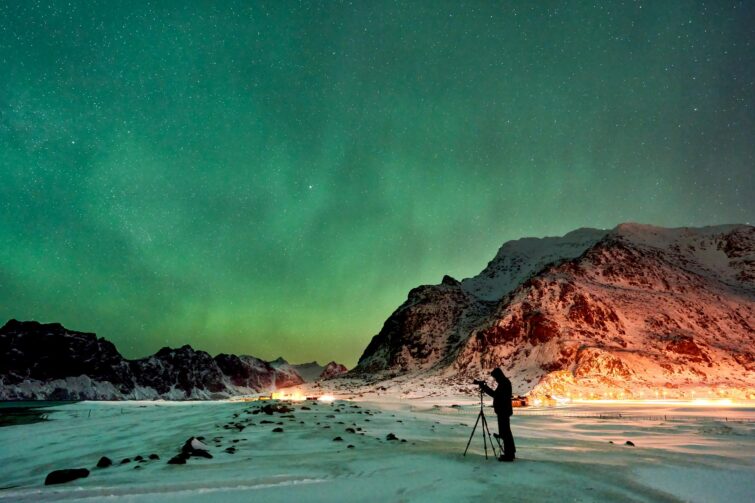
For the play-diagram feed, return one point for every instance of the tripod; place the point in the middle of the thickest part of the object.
(485, 431)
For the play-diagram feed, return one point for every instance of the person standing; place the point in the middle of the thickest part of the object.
(503, 409)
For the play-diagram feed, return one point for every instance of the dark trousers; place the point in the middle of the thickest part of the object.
(504, 431)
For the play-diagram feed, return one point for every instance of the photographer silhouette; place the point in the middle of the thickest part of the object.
(502, 407)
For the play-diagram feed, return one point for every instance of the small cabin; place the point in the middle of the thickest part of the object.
(519, 401)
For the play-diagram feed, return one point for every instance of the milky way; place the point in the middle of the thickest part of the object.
(272, 178)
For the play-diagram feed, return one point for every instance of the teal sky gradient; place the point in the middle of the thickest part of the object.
(271, 178)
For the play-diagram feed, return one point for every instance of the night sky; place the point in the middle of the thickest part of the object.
(272, 179)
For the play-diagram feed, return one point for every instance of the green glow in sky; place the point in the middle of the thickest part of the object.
(271, 178)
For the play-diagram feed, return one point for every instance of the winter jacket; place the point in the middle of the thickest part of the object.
(501, 397)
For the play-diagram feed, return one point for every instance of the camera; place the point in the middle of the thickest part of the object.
(478, 382)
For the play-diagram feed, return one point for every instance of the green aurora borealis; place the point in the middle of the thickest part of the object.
(272, 178)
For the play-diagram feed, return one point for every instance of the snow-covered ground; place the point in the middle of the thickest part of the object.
(565, 454)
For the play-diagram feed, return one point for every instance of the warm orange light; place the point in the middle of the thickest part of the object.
(294, 396)
(724, 402)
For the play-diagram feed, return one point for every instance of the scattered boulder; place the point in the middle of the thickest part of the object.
(154, 456)
(202, 454)
(231, 450)
(192, 447)
(139, 458)
(391, 436)
(349, 446)
(338, 439)
(67, 475)
(278, 430)
(125, 461)
(272, 408)
(194, 444)
(350, 430)
(104, 462)
(629, 443)
(178, 459)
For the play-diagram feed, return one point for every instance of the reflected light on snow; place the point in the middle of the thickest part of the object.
(561, 400)
(326, 398)
(723, 402)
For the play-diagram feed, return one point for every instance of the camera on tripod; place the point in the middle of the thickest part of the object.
(487, 437)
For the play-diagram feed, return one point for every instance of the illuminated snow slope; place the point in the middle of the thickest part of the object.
(564, 455)
(636, 311)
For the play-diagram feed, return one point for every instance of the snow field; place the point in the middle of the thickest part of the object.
(561, 457)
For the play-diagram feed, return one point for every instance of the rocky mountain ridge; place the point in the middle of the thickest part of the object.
(633, 311)
(49, 362)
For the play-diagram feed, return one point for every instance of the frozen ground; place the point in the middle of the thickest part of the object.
(693, 454)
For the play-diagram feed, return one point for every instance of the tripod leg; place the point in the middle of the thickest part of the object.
(486, 430)
(472, 435)
(484, 442)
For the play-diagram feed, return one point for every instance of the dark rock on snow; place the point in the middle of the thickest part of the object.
(178, 459)
(194, 447)
(67, 475)
(104, 462)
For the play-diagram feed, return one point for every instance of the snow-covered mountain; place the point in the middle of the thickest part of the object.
(633, 311)
(47, 361)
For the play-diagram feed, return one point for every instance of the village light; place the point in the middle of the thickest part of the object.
(295, 396)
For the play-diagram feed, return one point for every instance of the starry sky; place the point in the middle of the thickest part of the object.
(271, 178)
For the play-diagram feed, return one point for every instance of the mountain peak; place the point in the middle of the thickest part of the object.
(637, 306)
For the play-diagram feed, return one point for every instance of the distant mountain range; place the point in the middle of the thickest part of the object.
(636, 311)
(49, 362)
(313, 371)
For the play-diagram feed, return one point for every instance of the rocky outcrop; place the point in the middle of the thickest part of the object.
(604, 313)
(425, 330)
(332, 370)
(47, 361)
